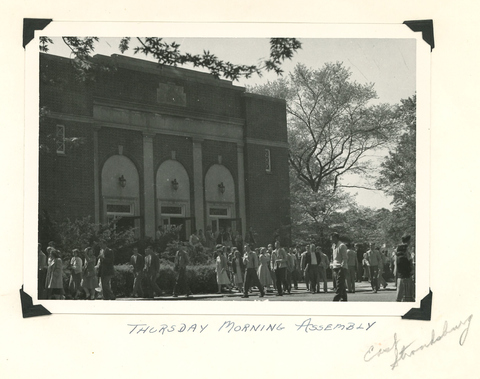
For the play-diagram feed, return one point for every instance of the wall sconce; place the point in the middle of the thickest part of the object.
(174, 184)
(221, 188)
(122, 181)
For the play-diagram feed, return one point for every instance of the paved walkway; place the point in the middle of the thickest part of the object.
(363, 292)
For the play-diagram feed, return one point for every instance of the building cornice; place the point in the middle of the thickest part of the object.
(265, 142)
(166, 110)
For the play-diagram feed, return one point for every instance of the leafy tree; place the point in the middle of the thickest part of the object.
(332, 125)
(398, 171)
(170, 54)
(312, 213)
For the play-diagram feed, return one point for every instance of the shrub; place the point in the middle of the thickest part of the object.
(80, 233)
(197, 256)
(122, 281)
(201, 279)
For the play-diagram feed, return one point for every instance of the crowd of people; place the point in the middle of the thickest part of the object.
(280, 269)
(240, 266)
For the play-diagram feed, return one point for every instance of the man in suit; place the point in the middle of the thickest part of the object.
(324, 264)
(151, 270)
(250, 260)
(107, 270)
(138, 263)
(312, 260)
(352, 268)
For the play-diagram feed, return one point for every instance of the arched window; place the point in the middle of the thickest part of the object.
(121, 193)
(173, 197)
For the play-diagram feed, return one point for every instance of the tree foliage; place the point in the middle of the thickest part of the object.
(398, 171)
(171, 55)
(331, 122)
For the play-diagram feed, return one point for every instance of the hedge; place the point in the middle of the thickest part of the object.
(201, 279)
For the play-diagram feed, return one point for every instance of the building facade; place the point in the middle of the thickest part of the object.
(154, 145)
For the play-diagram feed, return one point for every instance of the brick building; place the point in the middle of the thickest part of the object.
(161, 145)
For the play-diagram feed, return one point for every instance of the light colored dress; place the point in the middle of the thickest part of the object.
(263, 272)
(221, 269)
(237, 275)
(55, 274)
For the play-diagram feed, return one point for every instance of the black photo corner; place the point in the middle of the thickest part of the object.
(30, 310)
(424, 313)
(424, 26)
(32, 24)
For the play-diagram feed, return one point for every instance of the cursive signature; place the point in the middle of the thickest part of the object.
(407, 351)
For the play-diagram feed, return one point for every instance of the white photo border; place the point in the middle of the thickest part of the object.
(245, 30)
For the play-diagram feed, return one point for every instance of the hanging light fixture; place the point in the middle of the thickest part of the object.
(122, 181)
(175, 184)
(221, 188)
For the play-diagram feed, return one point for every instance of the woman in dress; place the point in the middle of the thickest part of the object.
(75, 274)
(263, 271)
(54, 282)
(221, 269)
(89, 281)
(238, 269)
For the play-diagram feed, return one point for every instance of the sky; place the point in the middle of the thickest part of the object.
(388, 63)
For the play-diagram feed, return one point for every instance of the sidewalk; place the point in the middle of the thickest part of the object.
(362, 288)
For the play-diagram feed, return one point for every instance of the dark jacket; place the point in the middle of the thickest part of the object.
(308, 258)
(403, 264)
(106, 263)
(138, 262)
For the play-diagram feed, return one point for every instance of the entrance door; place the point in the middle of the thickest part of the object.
(180, 221)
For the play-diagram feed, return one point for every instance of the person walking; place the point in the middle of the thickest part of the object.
(381, 269)
(238, 269)
(54, 281)
(221, 269)
(373, 259)
(76, 266)
(352, 268)
(303, 266)
(263, 272)
(339, 265)
(180, 268)
(322, 267)
(312, 260)
(251, 277)
(280, 268)
(107, 271)
(151, 271)
(403, 270)
(138, 263)
(290, 270)
(272, 256)
(89, 280)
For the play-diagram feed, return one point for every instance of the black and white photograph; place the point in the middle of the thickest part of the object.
(227, 169)
(221, 189)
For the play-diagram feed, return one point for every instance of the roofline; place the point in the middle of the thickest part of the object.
(142, 65)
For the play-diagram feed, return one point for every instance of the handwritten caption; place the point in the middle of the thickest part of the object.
(305, 326)
(400, 352)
